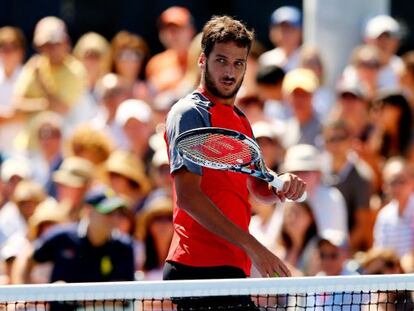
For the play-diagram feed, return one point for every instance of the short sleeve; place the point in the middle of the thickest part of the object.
(46, 245)
(183, 116)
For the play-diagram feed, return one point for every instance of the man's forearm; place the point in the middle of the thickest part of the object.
(199, 207)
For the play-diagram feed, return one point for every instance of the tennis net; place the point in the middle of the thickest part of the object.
(376, 292)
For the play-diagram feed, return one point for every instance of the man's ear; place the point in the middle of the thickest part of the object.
(202, 61)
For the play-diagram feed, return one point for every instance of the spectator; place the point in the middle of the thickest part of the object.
(380, 261)
(286, 35)
(94, 52)
(328, 204)
(364, 69)
(394, 226)
(12, 52)
(298, 238)
(268, 137)
(47, 214)
(127, 177)
(176, 30)
(130, 54)
(323, 99)
(160, 176)
(52, 79)
(304, 127)
(88, 251)
(352, 177)
(393, 130)
(155, 229)
(26, 197)
(385, 261)
(353, 107)
(384, 32)
(112, 90)
(252, 106)
(134, 117)
(269, 88)
(91, 144)
(73, 179)
(46, 156)
(333, 253)
(13, 170)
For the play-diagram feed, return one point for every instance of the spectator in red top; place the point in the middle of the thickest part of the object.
(176, 30)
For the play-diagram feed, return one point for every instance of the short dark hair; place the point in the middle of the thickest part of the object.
(220, 29)
(270, 74)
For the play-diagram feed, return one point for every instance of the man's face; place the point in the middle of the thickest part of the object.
(331, 258)
(223, 70)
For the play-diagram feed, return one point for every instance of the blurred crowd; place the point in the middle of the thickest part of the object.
(85, 190)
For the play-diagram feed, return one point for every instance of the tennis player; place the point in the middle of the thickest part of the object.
(212, 211)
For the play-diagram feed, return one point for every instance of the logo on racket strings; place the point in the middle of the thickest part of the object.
(220, 148)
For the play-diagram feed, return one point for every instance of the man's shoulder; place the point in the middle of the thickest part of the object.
(194, 101)
(61, 230)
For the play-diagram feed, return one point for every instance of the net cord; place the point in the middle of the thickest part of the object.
(225, 287)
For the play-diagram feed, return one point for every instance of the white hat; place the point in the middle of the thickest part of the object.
(15, 167)
(380, 24)
(335, 237)
(301, 157)
(50, 29)
(133, 108)
(265, 129)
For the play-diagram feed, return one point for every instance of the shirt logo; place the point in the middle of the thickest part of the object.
(106, 265)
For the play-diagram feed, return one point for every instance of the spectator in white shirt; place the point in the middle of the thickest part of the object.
(394, 226)
(286, 35)
(328, 204)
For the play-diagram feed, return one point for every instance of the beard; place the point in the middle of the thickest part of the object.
(213, 89)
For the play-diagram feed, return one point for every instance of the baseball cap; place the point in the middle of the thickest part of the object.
(135, 109)
(286, 14)
(335, 237)
(15, 167)
(300, 78)
(104, 200)
(50, 29)
(175, 15)
(347, 86)
(301, 157)
(74, 172)
(380, 24)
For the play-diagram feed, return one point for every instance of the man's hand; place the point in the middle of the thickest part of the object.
(268, 264)
(293, 187)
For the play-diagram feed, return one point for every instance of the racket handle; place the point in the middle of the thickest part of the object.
(278, 184)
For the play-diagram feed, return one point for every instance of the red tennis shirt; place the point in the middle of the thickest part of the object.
(192, 244)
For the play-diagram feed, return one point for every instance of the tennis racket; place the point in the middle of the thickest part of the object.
(224, 149)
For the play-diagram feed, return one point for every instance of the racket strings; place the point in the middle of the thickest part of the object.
(217, 148)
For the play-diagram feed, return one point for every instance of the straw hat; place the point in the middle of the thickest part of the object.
(48, 211)
(74, 172)
(127, 164)
(158, 207)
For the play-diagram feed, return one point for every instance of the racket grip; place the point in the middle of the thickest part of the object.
(278, 184)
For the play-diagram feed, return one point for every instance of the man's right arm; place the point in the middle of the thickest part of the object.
(191, 199)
